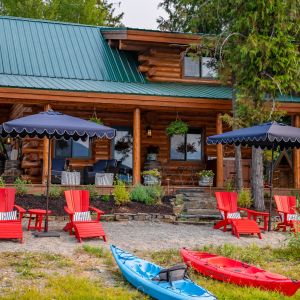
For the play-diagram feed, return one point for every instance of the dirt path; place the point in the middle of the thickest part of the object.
(141, 236)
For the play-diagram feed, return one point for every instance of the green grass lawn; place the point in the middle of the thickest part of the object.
(92, 274)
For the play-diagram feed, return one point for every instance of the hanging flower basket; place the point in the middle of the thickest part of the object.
(96, 120)
(177, 127)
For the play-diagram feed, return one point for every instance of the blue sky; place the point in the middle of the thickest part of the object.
(139, 13)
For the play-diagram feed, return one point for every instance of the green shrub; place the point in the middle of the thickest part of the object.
(140, 194)
(2, 182)
(21, 186)
(244, 198)
(93, 191)
(149, 195)
(105, 198)
(156, 192)
(120, 193)
(230, 185)
(55, 191)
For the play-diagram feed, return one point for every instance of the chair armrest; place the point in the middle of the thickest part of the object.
(98, 211)
(20, 209)
(254, 212)
(68, 211)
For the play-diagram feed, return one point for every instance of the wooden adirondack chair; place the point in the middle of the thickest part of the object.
(286, 207)
(227, 204)
(78, 207)
(10, 215)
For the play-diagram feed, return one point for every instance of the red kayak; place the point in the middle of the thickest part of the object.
(233, 271)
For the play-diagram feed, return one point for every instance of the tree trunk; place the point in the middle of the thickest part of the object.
(257, 182)
(238, 182)
(238, 168)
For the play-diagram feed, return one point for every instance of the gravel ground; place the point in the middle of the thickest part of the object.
(135, 235)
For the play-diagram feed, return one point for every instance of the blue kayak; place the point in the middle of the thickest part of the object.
(141, 273)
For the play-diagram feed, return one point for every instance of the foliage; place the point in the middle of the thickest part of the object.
(96, 120)
(93, 12)
(244, 198)
(152, 149)
(2, 182)
(178, 200)
(149, 195)
(120, 193)
(153, 172)
(55, 191)
(92, 190)
(230, 185)
(206, 173)
(177, 127)
(21, 186)
(105, 198)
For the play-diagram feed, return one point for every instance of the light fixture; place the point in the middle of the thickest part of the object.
(8, 141)
(149, 131)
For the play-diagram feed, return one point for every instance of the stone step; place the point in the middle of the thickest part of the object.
(203, 197)
(191, 190)
(199, 204)
(199, 217)
(202, 211)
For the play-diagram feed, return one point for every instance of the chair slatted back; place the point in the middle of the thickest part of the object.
(227, 201)
(7, 199)
(78, 200)
(286, 204)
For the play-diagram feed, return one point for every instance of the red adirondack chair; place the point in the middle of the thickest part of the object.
(10, 215)
(286, 207)
(227, 204)
(79, 210)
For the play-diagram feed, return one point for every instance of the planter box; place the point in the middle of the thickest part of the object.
(70, 178)
(104, 179)
(151, 180)
(206, 181)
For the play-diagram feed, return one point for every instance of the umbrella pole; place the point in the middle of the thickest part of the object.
(48, 185)
(271, 189)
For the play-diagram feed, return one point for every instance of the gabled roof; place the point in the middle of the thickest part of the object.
(49, 49)
(39, 54)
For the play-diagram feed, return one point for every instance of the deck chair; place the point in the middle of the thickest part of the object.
(80, 220)
(227, 204)
(286, 207)
(10, 215)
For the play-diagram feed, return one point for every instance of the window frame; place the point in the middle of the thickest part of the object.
(199, 131)
(200, 69)
(71, 151)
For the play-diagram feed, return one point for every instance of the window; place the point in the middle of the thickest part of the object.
(72, 149)
(200, 67)
(123, 147)
(186, 147)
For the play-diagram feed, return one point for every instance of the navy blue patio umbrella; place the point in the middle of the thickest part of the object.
(54, 125)
(266, 136)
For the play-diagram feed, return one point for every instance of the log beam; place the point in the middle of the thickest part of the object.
(45, 154)
(296, 157)
(136, 146)
(220, 171)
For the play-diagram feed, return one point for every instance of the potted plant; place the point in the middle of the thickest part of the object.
(177, 127)
(151, 177)
(206, 177)
(152, 152)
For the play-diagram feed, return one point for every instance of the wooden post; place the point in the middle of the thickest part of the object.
(136, 146)
(296, 156)
(45, 153)
(220, 171)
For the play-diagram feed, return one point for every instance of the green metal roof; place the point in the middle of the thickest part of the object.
(60, 50)
(39, 54)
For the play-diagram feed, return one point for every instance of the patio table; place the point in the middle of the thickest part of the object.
(38, 214)
(253, 214)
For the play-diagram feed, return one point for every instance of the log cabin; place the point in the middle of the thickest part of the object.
(137, 81)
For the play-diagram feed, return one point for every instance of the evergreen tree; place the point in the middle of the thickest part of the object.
(257, 47)
(92, 12)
